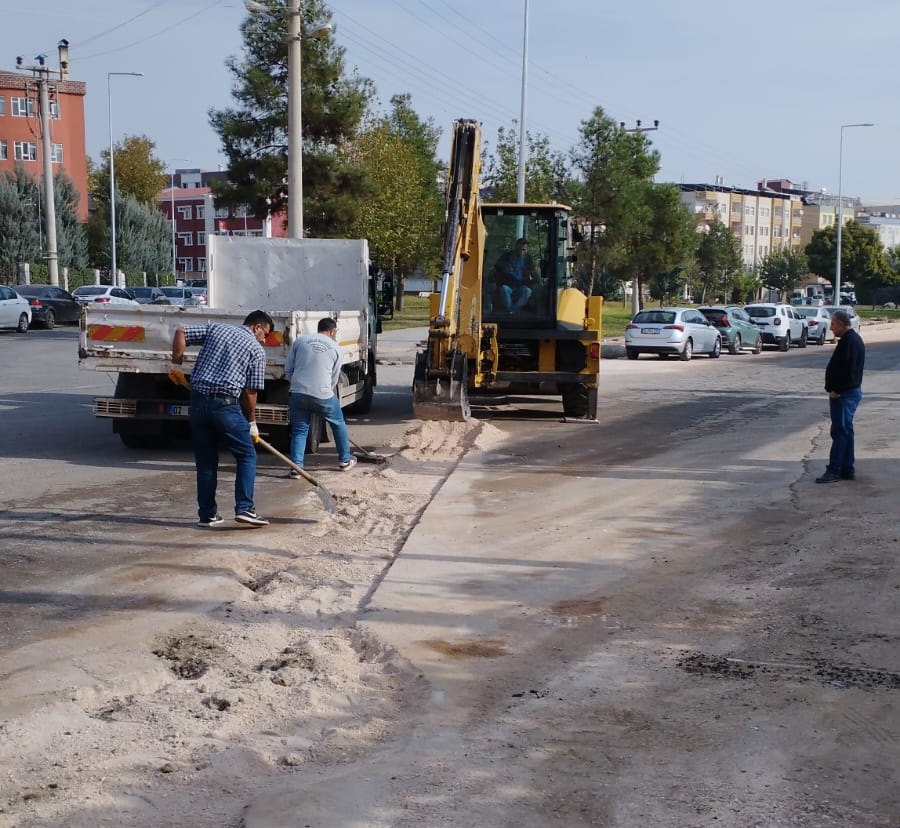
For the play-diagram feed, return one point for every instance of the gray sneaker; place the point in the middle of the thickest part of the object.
(207, 523)
(251, 517)
(349, 464)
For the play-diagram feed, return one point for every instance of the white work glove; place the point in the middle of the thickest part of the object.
(254, 432)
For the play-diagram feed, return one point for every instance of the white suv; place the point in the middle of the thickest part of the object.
(780, 324)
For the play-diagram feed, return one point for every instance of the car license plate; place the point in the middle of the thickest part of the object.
(649, 330)
(179, 410)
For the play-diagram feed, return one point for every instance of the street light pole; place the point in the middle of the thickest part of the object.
(523, 143)
(840, 214)
(114, 272)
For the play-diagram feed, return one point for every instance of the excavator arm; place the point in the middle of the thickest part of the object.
(442, 371)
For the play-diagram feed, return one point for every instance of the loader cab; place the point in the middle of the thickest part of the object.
(526, 252)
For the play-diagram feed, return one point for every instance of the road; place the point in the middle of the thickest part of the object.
(658, 620)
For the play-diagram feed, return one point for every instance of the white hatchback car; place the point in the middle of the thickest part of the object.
(854, 316)
(664, 331)
(780, 324)
(103, 293)
(15, 312)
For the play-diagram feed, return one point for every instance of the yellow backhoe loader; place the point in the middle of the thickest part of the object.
(506, 322)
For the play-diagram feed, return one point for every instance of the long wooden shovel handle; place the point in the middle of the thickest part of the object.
(325, 496)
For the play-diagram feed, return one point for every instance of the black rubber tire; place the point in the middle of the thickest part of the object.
(575, 399)
(821, 340)
(785, 343)
(734, 347)
(802, 343)
(687, 351)
(632, 353)
(50, 320)
(717, 350)
(757, 348)
(22, 327)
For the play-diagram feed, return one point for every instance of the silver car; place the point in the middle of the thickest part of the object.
(854, 316)
(15, 312)
(664, 331)
(818, 321)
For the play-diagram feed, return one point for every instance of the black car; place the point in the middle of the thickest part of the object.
(50, 305)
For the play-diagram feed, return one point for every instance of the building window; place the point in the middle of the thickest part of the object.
(736, 207)
(201, 264)
(763, 231)
(2, 105)
(22, 107)
(201, 238)
(222, 212)
(186, 239)
(4, 151)
(185, 212)
(201, 211)
(54, 110)
(25, 151)
(56, 156)
(185, 265)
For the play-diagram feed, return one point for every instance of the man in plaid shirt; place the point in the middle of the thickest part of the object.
(230, 370)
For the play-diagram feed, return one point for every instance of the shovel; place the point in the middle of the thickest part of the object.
(367, 456)
(325, 496)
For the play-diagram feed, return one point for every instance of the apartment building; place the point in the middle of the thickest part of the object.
(21, 135)
(189, 200)
(762, 220)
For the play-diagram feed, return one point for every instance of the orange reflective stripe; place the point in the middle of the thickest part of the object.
(116, 333)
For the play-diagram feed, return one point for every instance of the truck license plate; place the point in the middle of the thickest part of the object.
(179, 410)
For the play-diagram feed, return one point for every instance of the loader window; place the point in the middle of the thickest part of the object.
(520, 263)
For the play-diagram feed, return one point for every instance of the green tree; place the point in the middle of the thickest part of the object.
(863, 259)
(254, 132)
(19, 221)
(613, 168)
(401, 216)
(71, 241)
(545, 170)
(783, 269)
(139, 172)
(664, 246)
(143, 239)
(718, 260)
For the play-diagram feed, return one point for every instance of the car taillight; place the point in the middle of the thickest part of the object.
(673, 327)
(102, 299)
(35, 303)
(630, 325)
(725, 322)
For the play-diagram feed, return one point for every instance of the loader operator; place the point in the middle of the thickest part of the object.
(513, 272)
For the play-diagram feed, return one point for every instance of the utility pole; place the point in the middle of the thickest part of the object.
(41, 73)
(636, 282)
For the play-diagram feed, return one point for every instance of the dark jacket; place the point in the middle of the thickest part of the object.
(845, 368)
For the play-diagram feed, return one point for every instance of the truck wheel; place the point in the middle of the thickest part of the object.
(314, 437)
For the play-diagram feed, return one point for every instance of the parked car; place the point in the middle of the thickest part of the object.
(735, 327)
(665, 331)
(854, 316)
(50, 305)
(201, 294)
(818, 321)
(780, 324)
(15, 312)
(149, 296)
(183, 296)
(104, 293)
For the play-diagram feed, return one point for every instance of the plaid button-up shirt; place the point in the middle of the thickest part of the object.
(230, 360)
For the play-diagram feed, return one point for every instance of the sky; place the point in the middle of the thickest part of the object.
(742, 90)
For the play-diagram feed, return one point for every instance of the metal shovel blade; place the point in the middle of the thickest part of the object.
(325, 496)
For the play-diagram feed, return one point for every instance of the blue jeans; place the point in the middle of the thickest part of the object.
(841, 459)
(214, 420)
(514, 298)
(301, 406)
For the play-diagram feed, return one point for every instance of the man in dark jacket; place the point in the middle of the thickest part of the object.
(843, 382)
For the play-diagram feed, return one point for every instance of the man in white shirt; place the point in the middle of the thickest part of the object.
(313, 367)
